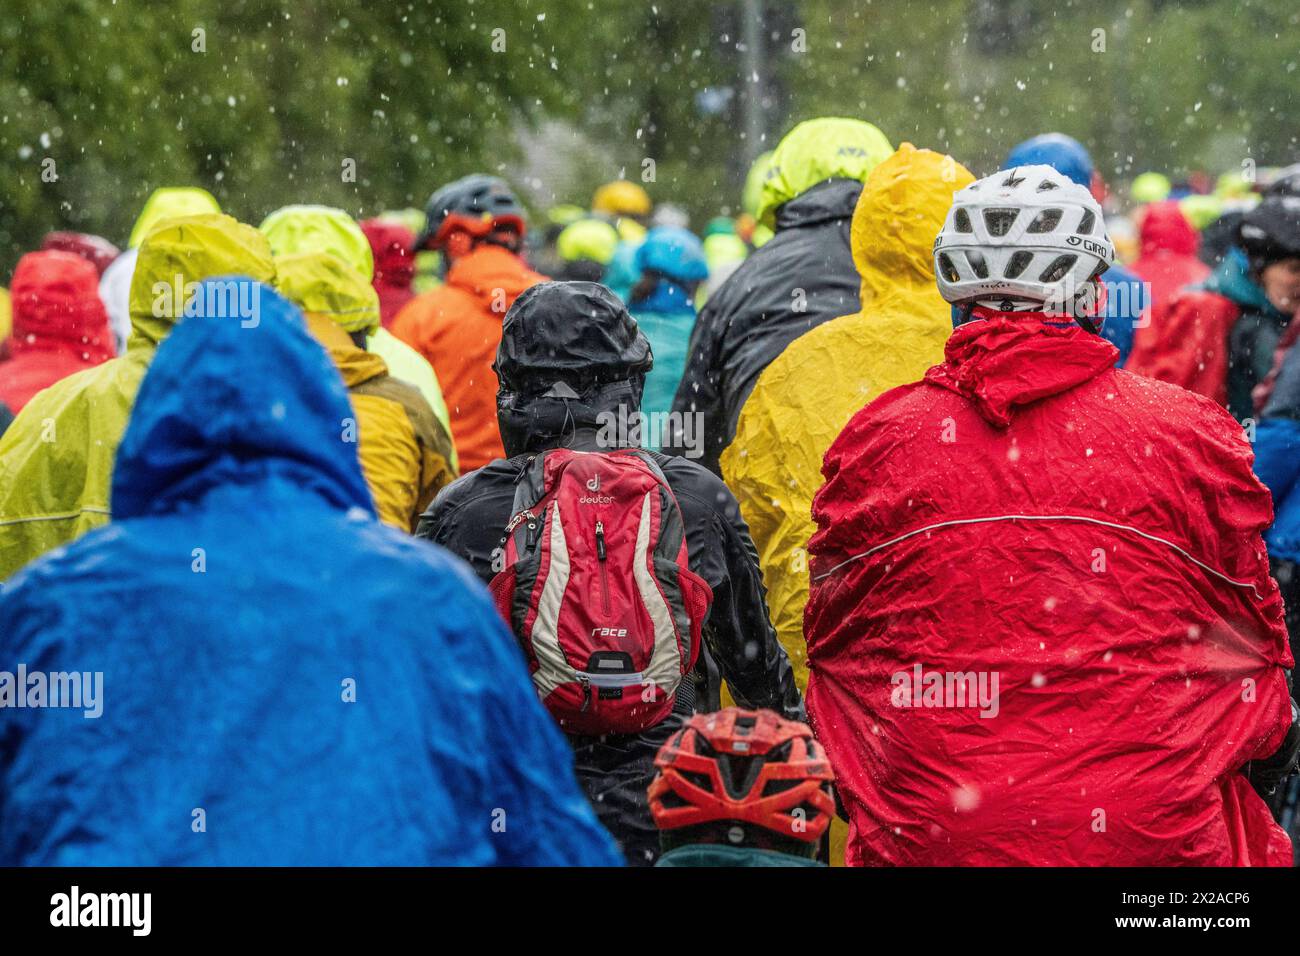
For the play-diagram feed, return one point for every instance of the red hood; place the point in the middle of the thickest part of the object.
(391, 242)
(56, 306)
(1165, 229)
(1008, 360)
(487, 269)
(97, 250)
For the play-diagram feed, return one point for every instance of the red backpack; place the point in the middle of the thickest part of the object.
(598, 590)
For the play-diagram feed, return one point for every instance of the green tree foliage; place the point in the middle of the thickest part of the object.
(122, 101)
(1145, 84)
(420, 91)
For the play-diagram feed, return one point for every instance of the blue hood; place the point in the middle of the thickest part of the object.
(666, 298)
(1063, 153)
(237, 400)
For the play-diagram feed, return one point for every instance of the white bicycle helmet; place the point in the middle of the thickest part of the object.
(1024, 239)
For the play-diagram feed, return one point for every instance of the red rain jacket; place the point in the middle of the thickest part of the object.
(1167, 262)
(59, 324)
(1091, 540)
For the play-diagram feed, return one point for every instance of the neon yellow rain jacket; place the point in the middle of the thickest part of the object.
(56, 459)
(807, 395)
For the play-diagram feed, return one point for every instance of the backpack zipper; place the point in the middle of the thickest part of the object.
(585, 681)
(601, 555)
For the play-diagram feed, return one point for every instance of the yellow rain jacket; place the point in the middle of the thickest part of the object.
(807, 395)
(405, 451)
(56, 459)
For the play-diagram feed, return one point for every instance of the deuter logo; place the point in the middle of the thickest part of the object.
(593, 484)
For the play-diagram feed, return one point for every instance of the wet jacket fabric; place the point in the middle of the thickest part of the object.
(802, 277)
(310, 229)
(1089, 538)
(271, 694)
(56, 459)
(96, 250)
(457, 328)
(167, 202)
(812, 389)
(469, 517)
(1126, 302)
(1168, 263)
(405, 451)
(1218, 339)
(59, 325)
(409, 365)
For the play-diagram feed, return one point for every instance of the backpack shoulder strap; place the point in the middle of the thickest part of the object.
(529, 489)
(647, 459)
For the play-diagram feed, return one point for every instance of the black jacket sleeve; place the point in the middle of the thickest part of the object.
(698, 393)
(738, 633)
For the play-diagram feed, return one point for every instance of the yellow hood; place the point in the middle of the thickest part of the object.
(186, 250)
(900, 211)
(171, 202)
(322, 283)
(817, 150)
(293, 230)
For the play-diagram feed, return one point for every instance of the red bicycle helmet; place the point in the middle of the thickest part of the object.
(743, 766)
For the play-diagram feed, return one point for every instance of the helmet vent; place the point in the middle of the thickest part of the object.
(1018, 264)
(697, 780)
(947, 268)
(1058, 268)
(1087, 222)
(977, 263)
(961, 221)
(1046, 221)
(1000, 221)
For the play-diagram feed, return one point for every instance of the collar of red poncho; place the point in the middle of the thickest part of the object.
(1010, 359)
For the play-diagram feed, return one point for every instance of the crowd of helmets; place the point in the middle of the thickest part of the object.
(408, 305)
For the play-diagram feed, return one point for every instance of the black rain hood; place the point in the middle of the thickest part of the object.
(569, 352)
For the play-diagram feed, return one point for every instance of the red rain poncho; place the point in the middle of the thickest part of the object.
(1090, 540)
